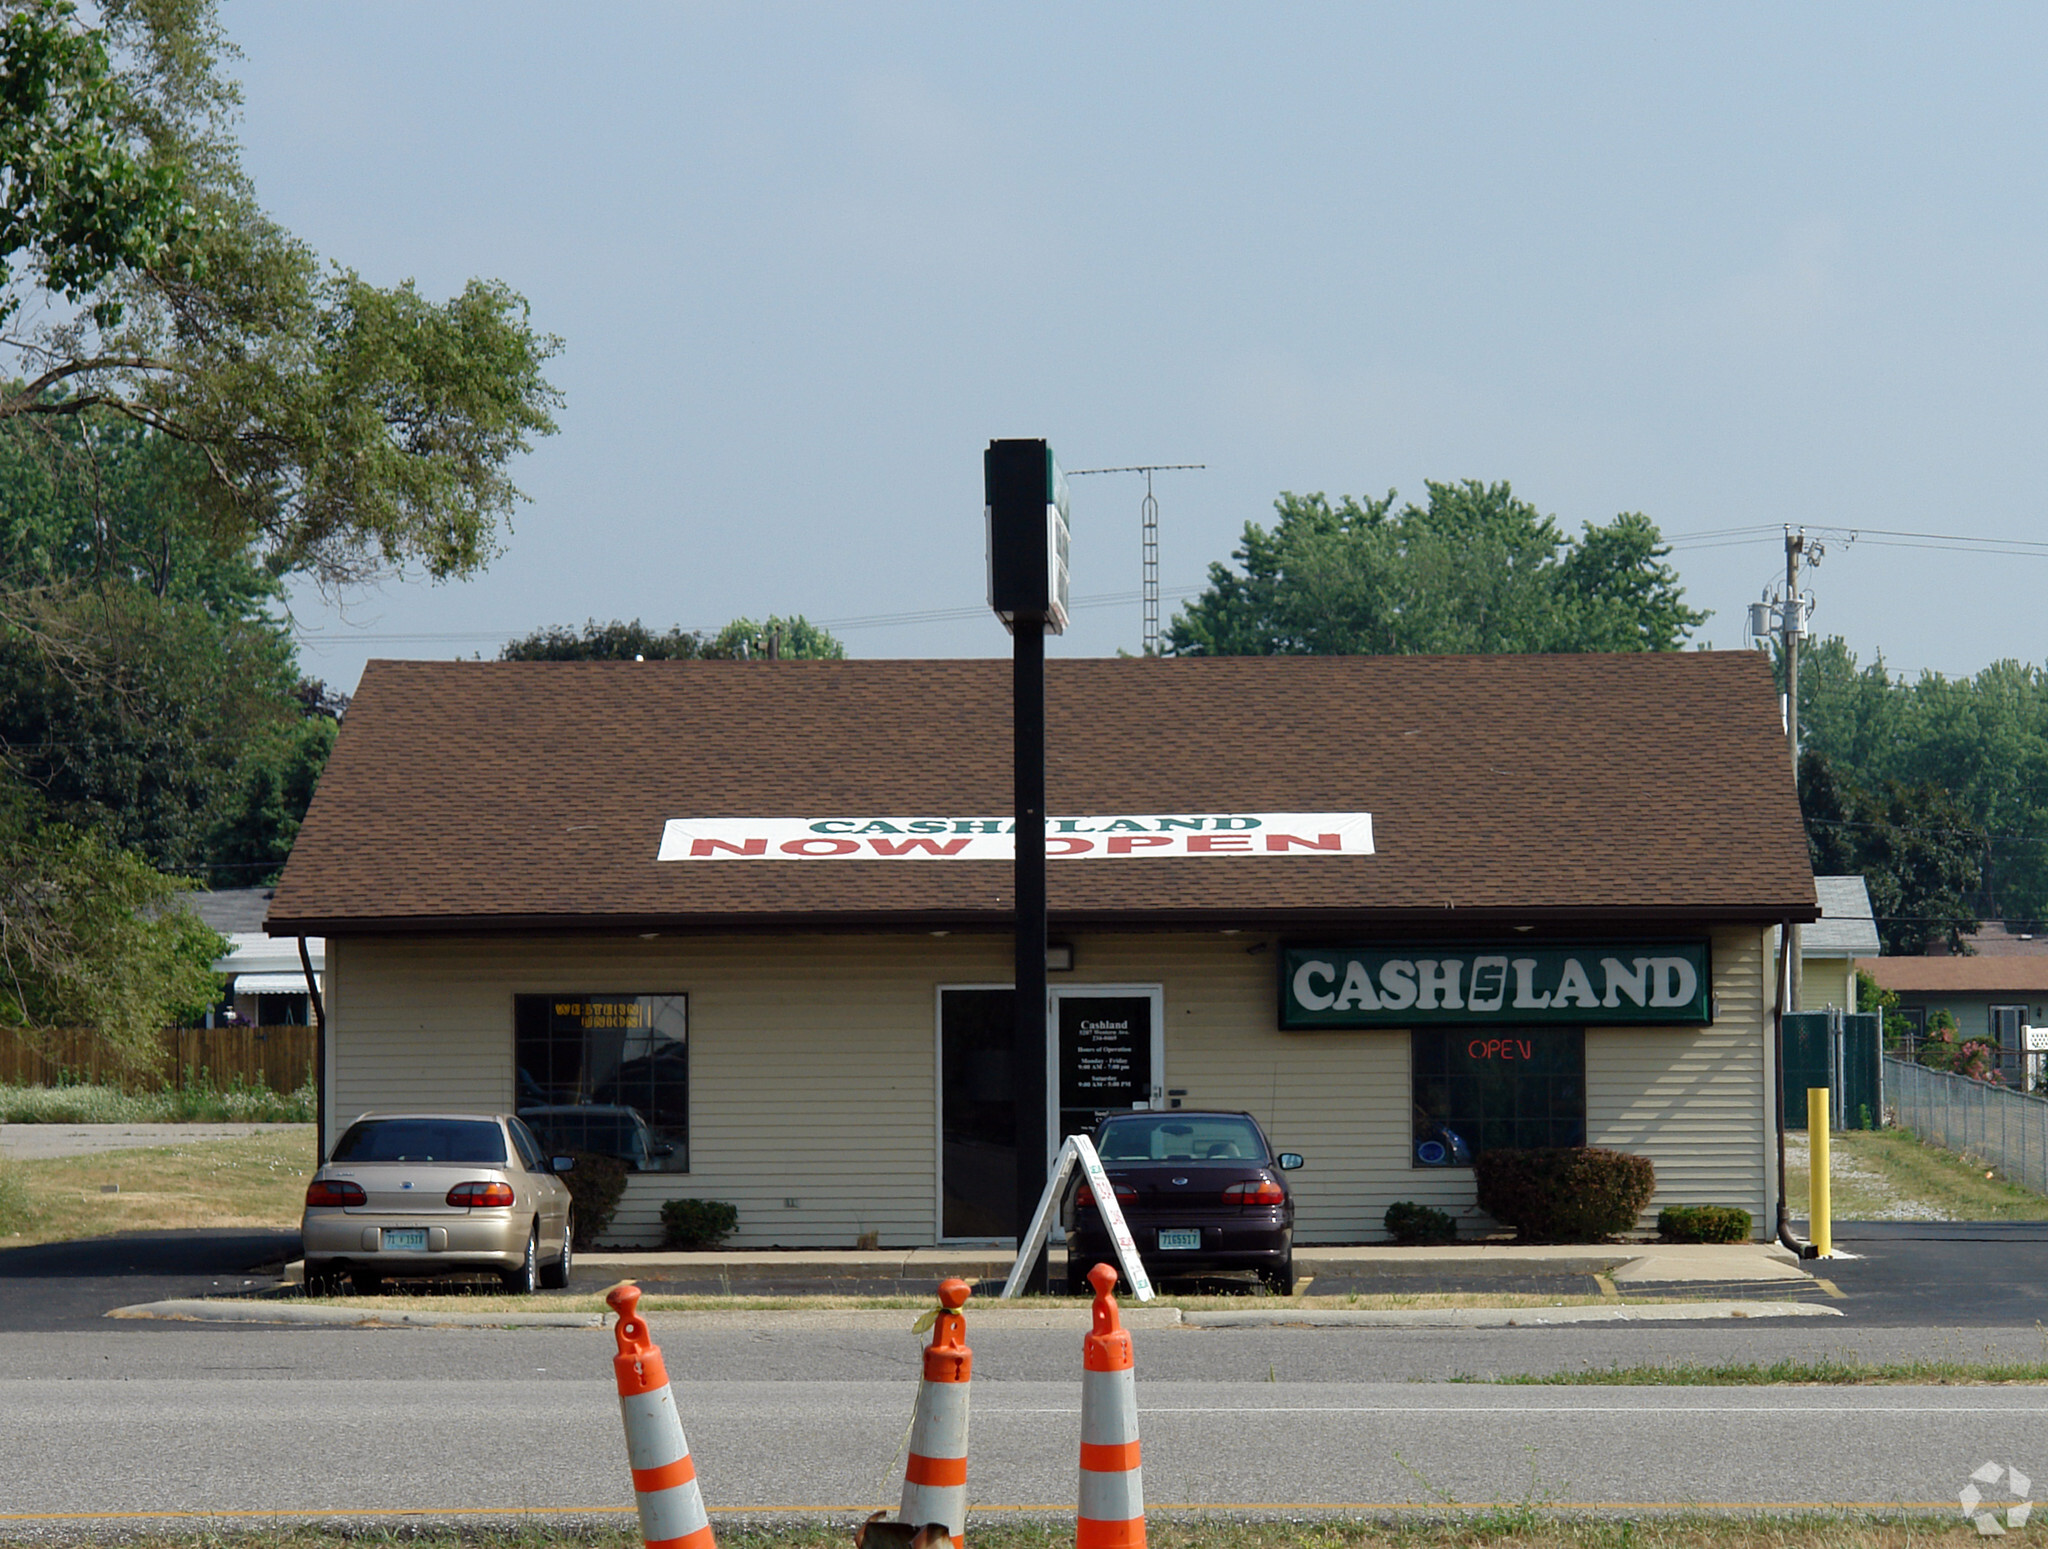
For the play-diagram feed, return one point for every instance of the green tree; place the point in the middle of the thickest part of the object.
(791, 639)
(94, 936)
(616, 641)
(1916, 847)
(193, 406)
(1983, 739)
(170, 667)
(341, 428)
(1474, 570)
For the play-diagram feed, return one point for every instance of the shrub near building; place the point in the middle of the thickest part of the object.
(1565, 1193)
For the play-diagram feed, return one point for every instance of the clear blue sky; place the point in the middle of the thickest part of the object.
(1724, 265)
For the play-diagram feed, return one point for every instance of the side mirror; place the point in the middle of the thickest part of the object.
(561, 1164)
(1289, 1160)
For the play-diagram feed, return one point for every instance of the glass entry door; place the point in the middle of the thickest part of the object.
(1103, 1054)
(1107, 1053)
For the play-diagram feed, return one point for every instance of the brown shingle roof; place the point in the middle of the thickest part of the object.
(1959, 975)
(467, 795)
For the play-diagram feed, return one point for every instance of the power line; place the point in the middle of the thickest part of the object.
(866, 621)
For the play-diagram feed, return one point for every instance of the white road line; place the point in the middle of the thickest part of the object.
(989, 1412)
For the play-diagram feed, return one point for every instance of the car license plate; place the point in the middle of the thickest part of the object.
(1168, 1241)
(406, 1239)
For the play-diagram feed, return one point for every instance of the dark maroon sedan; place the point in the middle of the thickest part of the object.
(1201, 1193)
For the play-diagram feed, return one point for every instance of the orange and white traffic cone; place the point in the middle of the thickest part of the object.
(935, 1475)
(1112, 1490)
(664, 1479)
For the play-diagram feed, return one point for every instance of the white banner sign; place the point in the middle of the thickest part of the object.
(994, 839)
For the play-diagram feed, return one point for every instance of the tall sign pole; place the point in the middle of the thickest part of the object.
(1025, 508)
(1794, 621)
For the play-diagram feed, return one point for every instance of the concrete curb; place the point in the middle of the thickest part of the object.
(1506, 1317)
(253, 1311)
(1300, 1315)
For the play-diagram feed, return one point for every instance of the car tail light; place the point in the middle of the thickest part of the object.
(479, 1196)
(1255, 1191)
(1124, 1195)
(335, 1191)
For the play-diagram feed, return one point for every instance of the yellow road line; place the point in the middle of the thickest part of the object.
(1547, 1507)
(1606, 1285)
(1830, 1287)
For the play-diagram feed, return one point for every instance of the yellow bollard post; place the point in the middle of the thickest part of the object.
(1819, 1206)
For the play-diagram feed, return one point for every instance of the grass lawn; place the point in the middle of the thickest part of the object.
(1889, 1175)
(1828, 1371)
(255, 1181)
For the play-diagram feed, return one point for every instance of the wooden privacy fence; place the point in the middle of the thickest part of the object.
(280, 1058)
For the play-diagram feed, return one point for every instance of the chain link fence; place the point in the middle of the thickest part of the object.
(2008, 1129)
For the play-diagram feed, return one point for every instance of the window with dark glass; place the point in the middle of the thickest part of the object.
(1495, 1088)
(608, 1074)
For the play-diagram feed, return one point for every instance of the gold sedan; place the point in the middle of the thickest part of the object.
(409, 1195)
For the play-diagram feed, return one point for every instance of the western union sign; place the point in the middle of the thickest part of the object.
(1660, 982)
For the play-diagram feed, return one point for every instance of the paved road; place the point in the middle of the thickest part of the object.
(780, 1419)
(1907, 1275)
(73, 1285)
(25, 1142)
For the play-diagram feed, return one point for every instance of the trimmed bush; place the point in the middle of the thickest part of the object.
(1703, 1223)
(697, 1223)
(1409, 1223)
(1566, 1193)
(596, 1185)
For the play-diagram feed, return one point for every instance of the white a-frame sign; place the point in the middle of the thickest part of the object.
(1079, 1148)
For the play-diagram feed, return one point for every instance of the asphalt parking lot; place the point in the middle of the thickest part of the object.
(1917, 1274)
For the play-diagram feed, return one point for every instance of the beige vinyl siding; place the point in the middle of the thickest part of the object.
(813, 1063)
(1693, 1099)
(1339, 1098)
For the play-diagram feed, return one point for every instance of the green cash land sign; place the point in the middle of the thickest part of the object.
(1640, 984)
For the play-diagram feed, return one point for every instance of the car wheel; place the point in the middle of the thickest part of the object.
(1280, 1279)
(523, 1280)
(555, 1273)
(364, 1283)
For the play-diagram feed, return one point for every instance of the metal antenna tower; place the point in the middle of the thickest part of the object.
(1148, 538)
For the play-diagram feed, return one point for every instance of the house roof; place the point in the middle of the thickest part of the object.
(231, 910)
(1846, 927)
(1959, 975)
(1502, 789)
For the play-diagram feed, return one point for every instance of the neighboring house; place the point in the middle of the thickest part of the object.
(1830, 946)
(1990, 997)
(267, 982)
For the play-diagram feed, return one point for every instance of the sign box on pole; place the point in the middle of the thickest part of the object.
(1025, 508)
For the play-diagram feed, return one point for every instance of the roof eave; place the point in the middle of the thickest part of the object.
(1549, 918)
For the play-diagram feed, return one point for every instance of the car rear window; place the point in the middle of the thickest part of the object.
(1170, 1137)
(479, 1141)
